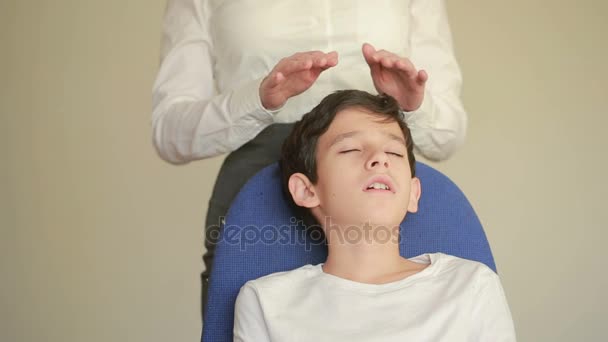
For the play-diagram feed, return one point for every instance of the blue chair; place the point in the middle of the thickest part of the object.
(260, 237)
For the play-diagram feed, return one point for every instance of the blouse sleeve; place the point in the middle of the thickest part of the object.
(439, 126)
(190, 118)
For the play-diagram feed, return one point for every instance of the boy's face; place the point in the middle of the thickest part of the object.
(358, 152)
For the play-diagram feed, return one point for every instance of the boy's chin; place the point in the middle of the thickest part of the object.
(383, 224)
(366, 220)
(380, 219)
(380, 222)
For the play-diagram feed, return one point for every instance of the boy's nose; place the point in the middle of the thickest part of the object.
(378, 160)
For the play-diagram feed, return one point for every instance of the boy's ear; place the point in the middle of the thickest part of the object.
(302, 191)
(415, 192)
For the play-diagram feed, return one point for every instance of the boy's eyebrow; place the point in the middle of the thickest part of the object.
(343, 136)
(396, 137)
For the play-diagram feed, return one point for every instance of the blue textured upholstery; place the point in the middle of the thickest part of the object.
(260, 238)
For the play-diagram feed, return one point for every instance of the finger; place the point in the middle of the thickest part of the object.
(322, 59)
(375, 70)
(320, 62)
(422, 77)
(327, 66)
(274, 80)
(378, 55)
(407, 66)
(279, 78)
(304, 54)
(318, 59)
(389, 61)
(290, 66)
(332, 59)
(312, 55)
(327, 60)
(368, 51)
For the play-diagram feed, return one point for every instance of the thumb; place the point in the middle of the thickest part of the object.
(368, 50)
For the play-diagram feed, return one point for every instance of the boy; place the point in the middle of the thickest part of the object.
(349, 163)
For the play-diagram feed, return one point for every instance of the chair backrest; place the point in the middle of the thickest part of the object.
(260, 237)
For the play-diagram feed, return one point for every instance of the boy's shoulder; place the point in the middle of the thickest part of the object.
(465, 269)
(286, 279)
(449, 262)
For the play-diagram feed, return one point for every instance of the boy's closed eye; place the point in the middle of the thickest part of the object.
(350, 150)
(357, 150)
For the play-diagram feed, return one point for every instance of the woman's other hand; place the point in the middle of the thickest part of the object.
(396, 76)
(293, 75)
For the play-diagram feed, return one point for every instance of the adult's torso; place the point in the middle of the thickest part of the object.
(250, 36)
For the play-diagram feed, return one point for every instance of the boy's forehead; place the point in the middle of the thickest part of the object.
(354, 121)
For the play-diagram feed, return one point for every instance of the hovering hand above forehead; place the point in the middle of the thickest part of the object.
(396, 76)
(293, 75)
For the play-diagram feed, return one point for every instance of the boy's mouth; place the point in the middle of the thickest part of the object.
(379, 183)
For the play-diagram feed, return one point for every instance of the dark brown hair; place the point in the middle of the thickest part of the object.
(298, 153)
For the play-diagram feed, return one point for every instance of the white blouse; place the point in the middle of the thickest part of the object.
(215, 54)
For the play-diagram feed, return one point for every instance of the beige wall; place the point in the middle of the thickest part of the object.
(101, 240)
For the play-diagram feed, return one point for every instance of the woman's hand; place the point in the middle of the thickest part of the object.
(293, 75)
(396, 76)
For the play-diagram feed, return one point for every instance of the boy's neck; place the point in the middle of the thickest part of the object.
(373, 258)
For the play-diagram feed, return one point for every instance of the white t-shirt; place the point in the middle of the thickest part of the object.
(215, 54)
(452, 299)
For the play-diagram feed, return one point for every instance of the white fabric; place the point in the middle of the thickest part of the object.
(452, 299)
(215, 54)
